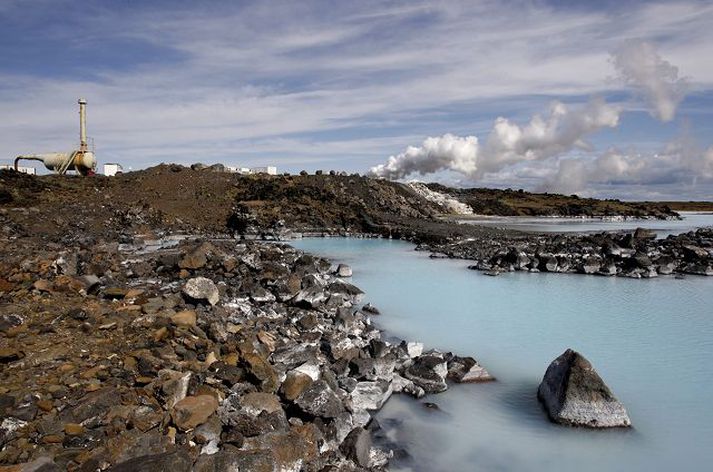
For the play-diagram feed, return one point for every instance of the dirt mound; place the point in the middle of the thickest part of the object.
(177, 198)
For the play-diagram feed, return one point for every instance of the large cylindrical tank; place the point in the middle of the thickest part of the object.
(52, 160)
(83, 162)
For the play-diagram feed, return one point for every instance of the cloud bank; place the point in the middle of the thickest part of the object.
(640, 66)
(680, 162)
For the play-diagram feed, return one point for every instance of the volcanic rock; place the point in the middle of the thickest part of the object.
(193, 411)
(343, 270)
(370, 395)
(573, 394)
(320, 400)
(201, 289)
(428, 372)
(467, 369)
(357, 446)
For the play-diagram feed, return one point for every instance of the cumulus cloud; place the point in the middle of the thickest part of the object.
(563, 129)
(679, 163)
(639, 65)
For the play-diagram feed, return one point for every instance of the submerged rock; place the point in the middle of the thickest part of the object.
(573, 394)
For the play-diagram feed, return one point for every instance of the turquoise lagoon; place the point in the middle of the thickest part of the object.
(651, 341)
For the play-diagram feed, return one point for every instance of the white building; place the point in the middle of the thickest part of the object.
(112, 168)
(270, 170)
(24, 170)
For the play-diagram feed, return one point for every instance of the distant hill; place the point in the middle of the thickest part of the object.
(486, 201)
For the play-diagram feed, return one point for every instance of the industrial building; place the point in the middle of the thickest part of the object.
(269, 170)
(112, 168)
(24, 170)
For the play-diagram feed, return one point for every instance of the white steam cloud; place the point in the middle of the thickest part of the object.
(640, 66)
(507, 144)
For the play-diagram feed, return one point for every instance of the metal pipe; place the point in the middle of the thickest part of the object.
(82, 124)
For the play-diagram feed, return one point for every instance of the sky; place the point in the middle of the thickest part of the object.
(608, 99)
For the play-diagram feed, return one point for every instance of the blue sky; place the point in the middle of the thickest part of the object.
(344, 85)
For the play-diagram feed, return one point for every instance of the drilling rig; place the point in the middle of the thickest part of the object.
(81, 160)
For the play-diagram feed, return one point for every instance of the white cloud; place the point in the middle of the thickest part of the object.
(640, 65)
(679, 164)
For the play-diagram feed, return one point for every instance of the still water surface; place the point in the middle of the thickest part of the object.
(690, 221)
(651, 341)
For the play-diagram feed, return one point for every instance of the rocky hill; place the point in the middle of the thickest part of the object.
(180, 199)
(487, 201)
(176, 198)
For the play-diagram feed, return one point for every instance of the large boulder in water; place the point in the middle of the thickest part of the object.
(573, 394)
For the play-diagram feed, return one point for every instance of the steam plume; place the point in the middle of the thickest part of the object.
(640, 65)
(508, 143)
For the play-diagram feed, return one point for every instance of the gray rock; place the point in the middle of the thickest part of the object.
(428, 372)
(370, 395)
(175, 461)
(574, 394)
(401, 384)
(351, 292)
(233, 460)
(311, 297)
(643, 233)
(344, 270)
(357, 447)
(201, 289)
(467, 369)
(320, 400)
(591, 265)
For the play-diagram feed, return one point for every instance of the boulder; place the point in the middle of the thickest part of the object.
(193, 411)
(256, 460)
(295, 383)
(255, 403)
(467, 369)
(371, 309)
(573, 394)
(344, 270)
(370, 395)
(179, 460)
(201, 289)
(357, 446)
(262, 370)
(428, 372)
(644, 233)
(319, 400)
(185, 318)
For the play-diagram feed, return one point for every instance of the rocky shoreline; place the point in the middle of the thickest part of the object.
(205, 356)
(634, 254)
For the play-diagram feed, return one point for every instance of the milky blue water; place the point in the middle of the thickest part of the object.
(690, 221)
(651, 340)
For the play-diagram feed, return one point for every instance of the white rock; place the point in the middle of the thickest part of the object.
(201, 288)
(309, 369)
(414, 349)
(371, 395)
